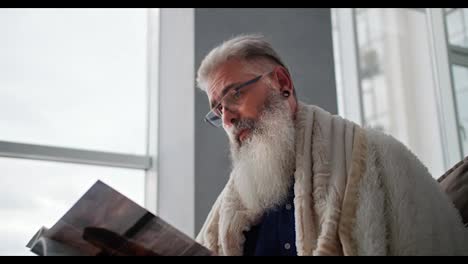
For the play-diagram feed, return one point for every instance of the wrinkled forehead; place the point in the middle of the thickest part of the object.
(227, 74)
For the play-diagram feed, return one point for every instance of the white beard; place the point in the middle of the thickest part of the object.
(263, 166)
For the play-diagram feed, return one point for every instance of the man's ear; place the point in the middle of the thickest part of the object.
(283, 79)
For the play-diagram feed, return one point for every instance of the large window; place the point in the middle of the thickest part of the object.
(396, 89)
(74, 78)
(460, 78)
(457, 32)
(403, 83)
(75, 89)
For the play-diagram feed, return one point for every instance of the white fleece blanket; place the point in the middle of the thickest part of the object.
(357, 192)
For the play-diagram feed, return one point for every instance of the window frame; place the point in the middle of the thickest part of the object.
(113, 159)
(442, 54)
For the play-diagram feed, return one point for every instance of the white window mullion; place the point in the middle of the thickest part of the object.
(176, 132)
(350, 87)
(151, 186)
(443, 84)
(69, 155)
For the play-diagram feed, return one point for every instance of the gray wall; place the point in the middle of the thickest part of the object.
(303, 39)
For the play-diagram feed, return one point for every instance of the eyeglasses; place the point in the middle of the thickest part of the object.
(233, 98)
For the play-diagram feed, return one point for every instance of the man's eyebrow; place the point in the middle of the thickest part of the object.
(223, 93)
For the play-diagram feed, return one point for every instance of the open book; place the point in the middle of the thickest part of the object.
(106, 223)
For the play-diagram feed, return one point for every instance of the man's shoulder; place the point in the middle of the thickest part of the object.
(379, 141)
(388, 148)
(383, 139)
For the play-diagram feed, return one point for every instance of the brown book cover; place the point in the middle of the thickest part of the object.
(106, 223)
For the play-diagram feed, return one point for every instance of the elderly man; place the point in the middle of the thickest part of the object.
(305, 182)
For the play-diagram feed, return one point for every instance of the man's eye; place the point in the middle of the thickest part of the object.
(236, 94)
(219, 109)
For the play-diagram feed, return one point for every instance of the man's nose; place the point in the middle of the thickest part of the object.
(230, 117)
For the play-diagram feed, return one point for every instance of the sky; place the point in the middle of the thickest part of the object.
(75, 79)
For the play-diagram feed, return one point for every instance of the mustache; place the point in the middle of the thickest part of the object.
(245, 123)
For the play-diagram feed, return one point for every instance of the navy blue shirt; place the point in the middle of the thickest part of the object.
(275, 235)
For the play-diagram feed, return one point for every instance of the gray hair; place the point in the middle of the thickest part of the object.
(257, 54)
